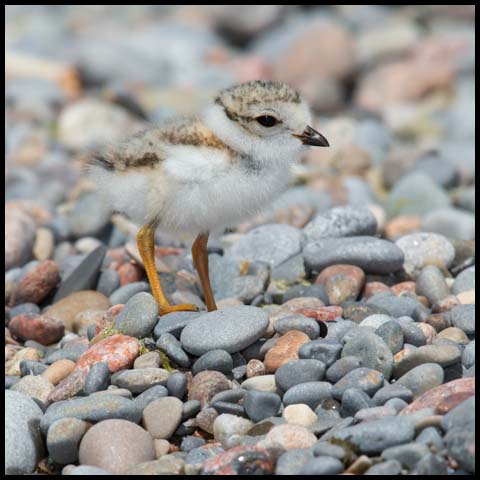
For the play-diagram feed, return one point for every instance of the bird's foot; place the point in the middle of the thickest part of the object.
(184, 307)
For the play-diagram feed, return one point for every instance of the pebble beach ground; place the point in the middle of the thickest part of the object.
(345, 336)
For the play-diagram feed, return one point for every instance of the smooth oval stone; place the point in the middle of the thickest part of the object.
(148, 396)
(310, 393)
(430, 436)
(108, 282)
(24, 445)
(138, 316)
(371, 254)
(375, 436)
(324, 349)
(422, 378)
(226, 425)
(392, 334)
(389, 392)
(174, 323)
(162, 416)
(461, 447)
(93, 408)
(468, 356)
(260, 405)
(116, 445)
(292, 461)
(140, 379)
(231, 329)
(390, 467)
(168, 344)
(353, 400)
(218, 360)
(31, 367)
(431, 284)
(98, 378)
(463, 317)
(125, 293)
(344, 221)
(322, 466)
(63, 439)
(364, 378)
(375, 321)
(297, 322)
(395, 306)
(341, 367)
(372, 351)
(464, 282)
(177, 384)
(299, 371)
(408, 455)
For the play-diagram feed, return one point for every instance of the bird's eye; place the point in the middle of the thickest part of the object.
(266, 120)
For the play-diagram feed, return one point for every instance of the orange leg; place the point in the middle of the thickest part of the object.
(200, 261)
(145, 242)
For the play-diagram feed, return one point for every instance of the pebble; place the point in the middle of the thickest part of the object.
(123, 294)
(326, 449)
(392, 334)
(468, 355)
(322, 466)
(408, 455)
(364, 378)
(162, 416)
(307, 325)
(341, 367)
(70, 306)
(395, 306)
(40, 328)
(430, 436)
(389, 392)
(177, 384)
(345, 221)
(148, 360)
(309, 393)
(422, 249)
(35, 286)
(12, 366)
(299, 414)
(353, 400)
(226, 425)
(116, 445)
(461, 447)
(289, 437)
(447, 220)
(218, 360)
(431, 283)
(264, 383)
(63, 439)
(24, 445)
(412, 334)
(342, 283)
(140, 379)
(463, 317)
(443, 355)
(390, 467)
(108, 282)
(285, 350)
(299, 371)
(292, 461)
(255, 368)
(375, 436)
(148, 396)
(422, 378)
(325, 350)
(241, 460)
(464, 281)
(98, 378)
(371, 254)
(273, 244)
(260, 405)
(94, 408)
(20, 235)
(206, 384)
(231, 329)
(174, 323)
(34, 386)
(30, 367)
(455, 334)
(138, 317)
(84, 276)
(168, 344)
(315, 290)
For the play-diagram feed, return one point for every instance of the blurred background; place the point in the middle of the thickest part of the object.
(392, 88)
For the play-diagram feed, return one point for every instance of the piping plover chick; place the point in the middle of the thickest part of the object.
(199, 174)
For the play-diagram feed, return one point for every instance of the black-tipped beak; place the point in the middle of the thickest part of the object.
(313, 138)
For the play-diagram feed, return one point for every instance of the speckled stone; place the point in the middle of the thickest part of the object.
(363, 378)
(138, 317)
(206, 384)
(289, 437)
(285, 350)
(63, 439)
(140, 379)
(115, 446)
(162, 417)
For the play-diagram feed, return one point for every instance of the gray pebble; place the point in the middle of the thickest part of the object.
(168, 344)
(299, 371)
(411, 333)
(260, 405)
(364, 378)
(461, 416)
(315, 290)
(388, 392)
(324, 349)
(408, 454)
(173, 323)
(190, 442)
(464, 281)
(326, 449)
(463, 317)
(232, 396)
(305, 324)
(392, 334)
(138, 316)
(431, 284)
(461, 446)
(177, 384)
(431, 464)
(310, 393)
(422, 378)
(31, 367)
(371, 254)
(23, 308)
(63, 439)
(395, 306)
(125, 293)
(84, 470)
(430, 436)
(98, 378)
(218, 360)
(108, 282)
(141, 379)
(322, 466)
(292, 461)
(231, 408)
(341, 367)
(353, 400)
(148, 396)
(396, 404)
(390, 467)
(190, 409)
(468, 356)
(11, 380)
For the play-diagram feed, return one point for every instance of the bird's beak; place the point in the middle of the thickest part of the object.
(312, 137)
